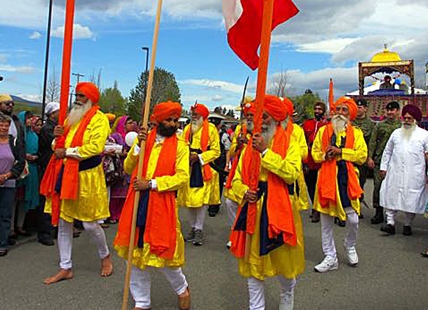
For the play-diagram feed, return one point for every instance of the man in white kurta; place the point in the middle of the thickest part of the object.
(403, 166)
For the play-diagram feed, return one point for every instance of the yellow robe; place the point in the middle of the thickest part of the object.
(92, 202)
(285, 260)
(356, 155)
(209, 194)
(228, 192)
(302, 199)
(142, 257)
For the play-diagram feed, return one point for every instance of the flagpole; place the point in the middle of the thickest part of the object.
(146, 112)
(66, 60)
(259, 102)
(330, 97)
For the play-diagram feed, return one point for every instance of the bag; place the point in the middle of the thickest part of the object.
(113, 170)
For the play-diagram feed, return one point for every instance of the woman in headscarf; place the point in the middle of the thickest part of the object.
(30, 183)
(119, 182)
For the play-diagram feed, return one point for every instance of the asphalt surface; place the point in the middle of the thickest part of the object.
(391, 273)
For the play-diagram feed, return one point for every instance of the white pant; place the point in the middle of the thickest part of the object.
(327, 225)
(65, 241)
(140, 284)
(232, 208)
(392, 214)
(257, 293)
(197, 217)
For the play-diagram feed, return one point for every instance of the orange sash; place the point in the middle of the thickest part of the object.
(279, 208)
(70, 183)
(327, 176)
(160, 232)
(204, 147)
(235, 160)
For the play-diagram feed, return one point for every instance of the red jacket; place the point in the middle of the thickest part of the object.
(311, 127)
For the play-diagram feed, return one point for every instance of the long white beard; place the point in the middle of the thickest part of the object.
(268, 131)
(77, 112)
(250, 125)
(407, 131)
(339, 123)
(197, 124)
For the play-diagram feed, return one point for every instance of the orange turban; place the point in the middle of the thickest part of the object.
(111, 117)
(89, 90)
(288, 105)
(352, 106)
(166, 109)
(249, 108)
(201, 110)
(276, 108)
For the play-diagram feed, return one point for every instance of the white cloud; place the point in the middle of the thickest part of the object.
(79, 32)
(330, 46)
(217, 98)
(211, 84)
(35, 35)
(18, 69)
(36, 98)
(3, 57)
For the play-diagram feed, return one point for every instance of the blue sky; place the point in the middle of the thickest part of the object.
(325, 40)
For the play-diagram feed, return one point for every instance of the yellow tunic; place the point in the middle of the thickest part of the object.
(92, 202)
(142, 257)
(302, 199)
(228, 192)
(285, 260)
(356, 155)
(209, 194)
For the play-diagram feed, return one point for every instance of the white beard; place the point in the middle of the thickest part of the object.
(284, 123)
(250, 125)
(268, 131)
(197, 124)
(339, 123)
(407, 131)
(78, 112)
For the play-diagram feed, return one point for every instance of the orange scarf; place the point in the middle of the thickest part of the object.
(160, 232)
(279, 209)
(327, 188)
(204, 147)
(70, 183)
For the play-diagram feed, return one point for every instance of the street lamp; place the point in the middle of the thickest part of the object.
(146, 49)
(48, 37)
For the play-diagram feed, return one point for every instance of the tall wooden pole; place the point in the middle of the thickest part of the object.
(141, 156)
(66, 60)
(259, 104)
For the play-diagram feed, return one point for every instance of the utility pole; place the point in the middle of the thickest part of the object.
(78, 76)
(146, 49)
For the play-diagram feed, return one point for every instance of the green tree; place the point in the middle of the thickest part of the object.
(304, 105)
(112, 101)
(164, 88)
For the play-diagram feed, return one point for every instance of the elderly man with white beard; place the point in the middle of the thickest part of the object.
(403, 166)
(338, 146)
(74, 181)
(203, 189)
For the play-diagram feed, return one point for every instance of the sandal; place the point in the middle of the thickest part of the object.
(424, 254)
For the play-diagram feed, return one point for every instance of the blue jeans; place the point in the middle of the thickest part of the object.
(7, 200)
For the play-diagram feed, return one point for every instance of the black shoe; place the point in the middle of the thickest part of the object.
(407, 230)
(315, 216)
(11, 241)
(339, 222)
(389, 229)
(212, 214)
(361, 216)
(377, 219)
(47, 242)
(3, 253)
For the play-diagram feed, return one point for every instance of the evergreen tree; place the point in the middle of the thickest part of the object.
(164, 88)
(112, 101)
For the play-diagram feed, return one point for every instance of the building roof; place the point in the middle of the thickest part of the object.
(386, 56)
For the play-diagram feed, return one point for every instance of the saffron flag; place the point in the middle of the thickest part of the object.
(330, 96)
(243, 19)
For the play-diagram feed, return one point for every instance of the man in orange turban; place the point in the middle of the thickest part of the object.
(338, 147)
(268, 227)
(77, 157)
(159, 239)
(203, 189)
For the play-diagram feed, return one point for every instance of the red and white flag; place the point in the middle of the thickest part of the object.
(243, 19)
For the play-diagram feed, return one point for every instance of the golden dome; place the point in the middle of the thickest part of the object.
(386, 56)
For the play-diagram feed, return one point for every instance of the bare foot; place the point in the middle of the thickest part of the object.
(63, 274)
(106, 266)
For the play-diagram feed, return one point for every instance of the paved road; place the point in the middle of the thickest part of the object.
(391, 274)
